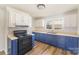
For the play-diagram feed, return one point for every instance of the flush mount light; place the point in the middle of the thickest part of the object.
(41, 6)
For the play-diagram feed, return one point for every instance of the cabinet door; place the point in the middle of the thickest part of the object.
(52, 39)
(27, 20)
(47, 38)
(61, 42)
(20, 20)
(34, 35)
(72, 44)
(13, 47)
(43, 37)
(12, 17)
(37, 36)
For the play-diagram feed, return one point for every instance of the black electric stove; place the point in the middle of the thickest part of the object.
(24, 42)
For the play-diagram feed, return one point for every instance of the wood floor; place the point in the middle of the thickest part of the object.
(45, 49)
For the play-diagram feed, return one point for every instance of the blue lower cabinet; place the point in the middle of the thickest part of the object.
(43, 37)
(14, 47)
(52, 40)
(72, 44)
(40, 36)
(33, 39)
(61, 42)
(37, 36)
(46, 38)
(78, 45)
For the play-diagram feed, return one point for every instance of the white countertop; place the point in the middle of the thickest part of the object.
(68, 35)
(61, 34)
(11, 37)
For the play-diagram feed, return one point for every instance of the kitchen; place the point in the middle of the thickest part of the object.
(51, 29)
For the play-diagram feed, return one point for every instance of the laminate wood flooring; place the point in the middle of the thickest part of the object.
(45, 49)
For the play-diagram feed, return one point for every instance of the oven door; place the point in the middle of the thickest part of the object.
(24, 44)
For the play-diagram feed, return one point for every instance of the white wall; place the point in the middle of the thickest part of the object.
(70, 21)
(38, 23)
(2, 29)
(78, 22)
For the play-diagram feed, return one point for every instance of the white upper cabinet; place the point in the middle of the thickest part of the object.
(12, 17)
(27, 20)
(23, 20)
(18, 18)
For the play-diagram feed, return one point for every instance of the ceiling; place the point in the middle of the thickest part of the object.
(51, 9)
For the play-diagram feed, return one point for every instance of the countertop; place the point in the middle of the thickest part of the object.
(12, 37)
(57, 33)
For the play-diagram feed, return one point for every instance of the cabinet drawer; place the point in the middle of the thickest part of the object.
(72, 44)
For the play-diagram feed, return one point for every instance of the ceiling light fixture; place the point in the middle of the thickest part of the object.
(41, 6)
